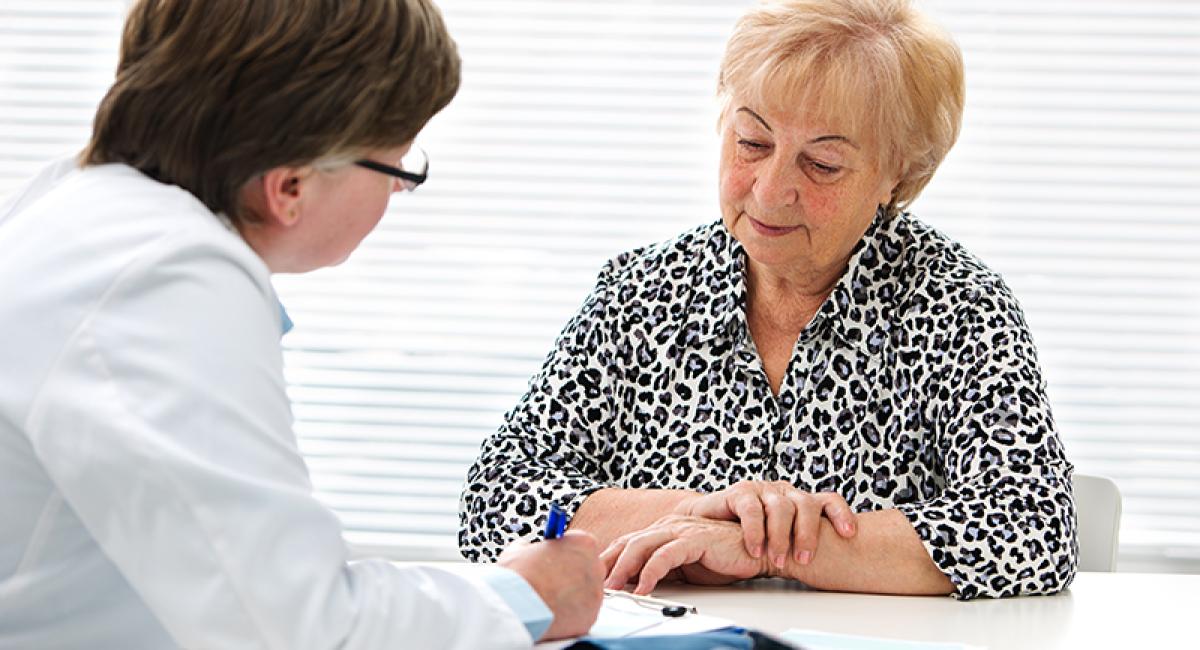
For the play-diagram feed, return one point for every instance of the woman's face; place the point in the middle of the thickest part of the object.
(347, 205)
(798, 193)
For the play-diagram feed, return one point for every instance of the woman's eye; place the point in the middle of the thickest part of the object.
(751, 145)
(823, 169)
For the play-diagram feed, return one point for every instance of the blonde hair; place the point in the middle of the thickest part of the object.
(878, 65)
(208, 95)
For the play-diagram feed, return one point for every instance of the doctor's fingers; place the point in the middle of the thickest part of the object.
(581, 540)
(575, 554)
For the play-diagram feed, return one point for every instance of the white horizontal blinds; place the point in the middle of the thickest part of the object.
(582, 129)
(56, 60)
(1077, 177)
(585, 128)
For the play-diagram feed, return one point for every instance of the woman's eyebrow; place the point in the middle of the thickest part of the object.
(755, 116)
(833, 138)
(817, 140)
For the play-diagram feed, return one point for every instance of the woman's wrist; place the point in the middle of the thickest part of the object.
(805, 569)
(685, 503)
(612, 512)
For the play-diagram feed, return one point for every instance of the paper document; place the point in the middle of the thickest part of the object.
(624, 617)
(812, 640)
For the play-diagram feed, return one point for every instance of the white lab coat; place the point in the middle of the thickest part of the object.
(152, 491)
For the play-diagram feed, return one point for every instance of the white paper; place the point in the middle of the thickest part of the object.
(621, 617)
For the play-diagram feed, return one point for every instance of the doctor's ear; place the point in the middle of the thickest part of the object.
(280, 193)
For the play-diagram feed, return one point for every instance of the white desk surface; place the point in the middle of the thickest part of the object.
(1100, 610)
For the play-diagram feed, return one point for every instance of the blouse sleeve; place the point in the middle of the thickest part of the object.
(557, 444)
(1005, 523)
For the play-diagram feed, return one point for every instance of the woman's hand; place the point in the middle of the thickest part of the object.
(774, 516)
(705, 551)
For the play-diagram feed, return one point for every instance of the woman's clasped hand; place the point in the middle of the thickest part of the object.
(747, 530)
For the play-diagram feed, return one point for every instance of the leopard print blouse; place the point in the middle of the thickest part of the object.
(916, 386)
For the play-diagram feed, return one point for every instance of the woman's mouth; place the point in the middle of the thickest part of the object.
(770, 231)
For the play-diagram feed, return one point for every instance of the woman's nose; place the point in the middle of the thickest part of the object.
(777, 184)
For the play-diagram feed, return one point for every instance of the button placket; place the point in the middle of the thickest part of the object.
(785, 425)
(757, 394)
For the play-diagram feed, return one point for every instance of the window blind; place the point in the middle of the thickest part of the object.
(586, 128)
(1073, 178)
(56, 60)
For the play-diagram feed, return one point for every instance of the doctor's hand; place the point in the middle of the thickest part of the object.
(567, 574)
(775, 516)
(697, 549)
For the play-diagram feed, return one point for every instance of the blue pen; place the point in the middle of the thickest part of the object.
(556, 522)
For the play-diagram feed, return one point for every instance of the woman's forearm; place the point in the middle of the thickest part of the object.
(609, 513)
(884, 557)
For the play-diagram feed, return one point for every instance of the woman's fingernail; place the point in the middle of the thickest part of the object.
(778, 561)
(805, 557)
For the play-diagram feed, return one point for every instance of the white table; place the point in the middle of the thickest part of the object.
(1100, 610)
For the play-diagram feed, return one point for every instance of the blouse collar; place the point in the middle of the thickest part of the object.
(858, 308)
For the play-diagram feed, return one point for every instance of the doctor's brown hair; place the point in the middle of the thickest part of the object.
(208, 95)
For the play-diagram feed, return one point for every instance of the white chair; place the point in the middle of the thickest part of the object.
(1098, 518)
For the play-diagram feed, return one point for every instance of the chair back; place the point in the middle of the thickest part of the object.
(1098, 520)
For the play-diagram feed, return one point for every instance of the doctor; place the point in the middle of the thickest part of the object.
(151, 487)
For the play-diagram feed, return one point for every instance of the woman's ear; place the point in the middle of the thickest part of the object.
(277, 195)
(891, 183)
(885, 199)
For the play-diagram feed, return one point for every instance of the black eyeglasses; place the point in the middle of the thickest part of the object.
(415, 158)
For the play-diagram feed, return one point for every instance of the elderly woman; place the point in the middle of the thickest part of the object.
(153, 492)
(817, 386)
